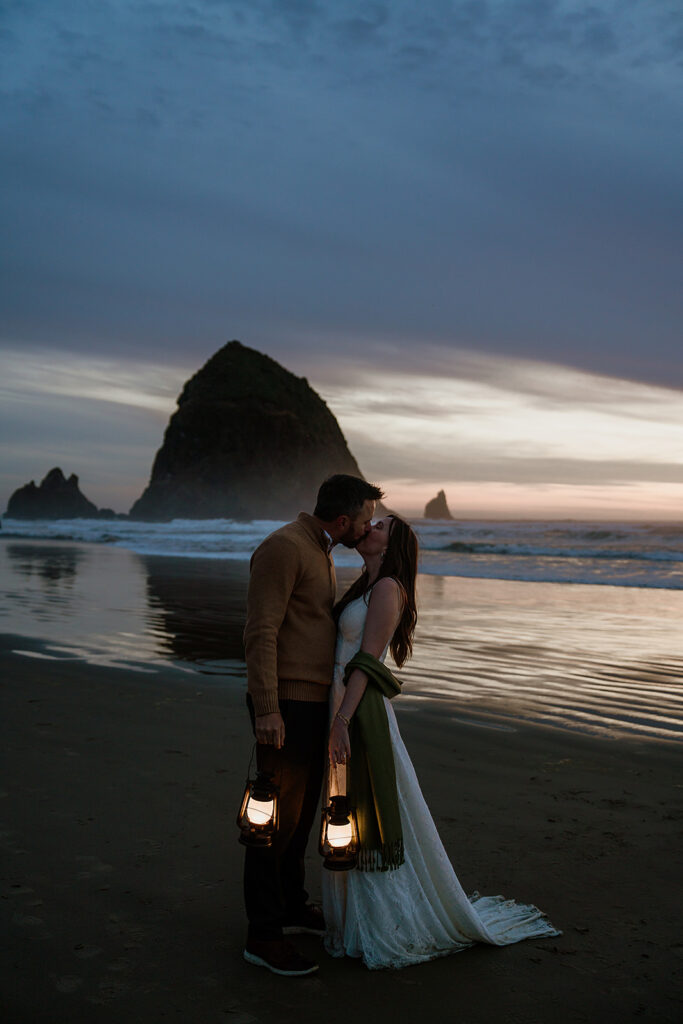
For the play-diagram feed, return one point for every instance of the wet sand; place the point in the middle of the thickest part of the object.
(121, 878)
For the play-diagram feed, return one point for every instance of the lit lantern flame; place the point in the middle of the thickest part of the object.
(260, 812)
(258, 815)
(339, 835)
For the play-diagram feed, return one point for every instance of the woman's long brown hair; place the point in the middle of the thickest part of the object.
(400, 563)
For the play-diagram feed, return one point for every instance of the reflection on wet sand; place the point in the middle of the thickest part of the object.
(52, 563)
(588, 657)
(112, 606)
(598, 659)
(196, 608)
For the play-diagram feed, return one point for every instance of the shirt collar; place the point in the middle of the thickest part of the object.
(315, 531)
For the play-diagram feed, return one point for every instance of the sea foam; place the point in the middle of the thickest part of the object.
(617, 553)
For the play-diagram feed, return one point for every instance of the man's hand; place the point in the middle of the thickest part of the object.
(270, 730)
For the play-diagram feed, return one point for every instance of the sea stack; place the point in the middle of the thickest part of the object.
(437, 508)
(56, 498)
(249, 440)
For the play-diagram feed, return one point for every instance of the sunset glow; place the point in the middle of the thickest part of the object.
(525, 439)
(503, 437)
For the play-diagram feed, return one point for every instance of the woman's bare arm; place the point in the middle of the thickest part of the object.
(384, 612)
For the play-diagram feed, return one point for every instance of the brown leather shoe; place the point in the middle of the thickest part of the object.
(280, 957)
(307, 919)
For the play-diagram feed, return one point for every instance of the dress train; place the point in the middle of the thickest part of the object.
(419, 911)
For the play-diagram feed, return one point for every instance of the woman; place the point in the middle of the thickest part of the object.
(394, 911)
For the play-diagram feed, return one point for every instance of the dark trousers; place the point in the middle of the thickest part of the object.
(274, 875)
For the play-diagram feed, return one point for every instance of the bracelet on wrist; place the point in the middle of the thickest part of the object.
(344, 719)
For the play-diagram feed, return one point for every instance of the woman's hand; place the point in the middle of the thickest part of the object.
(340, 745)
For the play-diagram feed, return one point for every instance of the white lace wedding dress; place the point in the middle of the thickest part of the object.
(419, 911)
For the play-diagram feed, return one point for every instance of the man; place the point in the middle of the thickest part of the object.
(289, 641)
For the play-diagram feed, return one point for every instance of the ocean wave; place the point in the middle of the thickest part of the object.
(526, 551)
(607, 575)
(615, 554)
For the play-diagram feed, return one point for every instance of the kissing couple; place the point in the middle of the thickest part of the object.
(319, 702)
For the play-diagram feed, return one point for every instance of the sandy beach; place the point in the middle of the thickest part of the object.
(122, 872)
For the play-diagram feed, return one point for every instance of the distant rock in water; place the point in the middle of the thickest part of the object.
(437, 508)
(56, 498)
(249, 440)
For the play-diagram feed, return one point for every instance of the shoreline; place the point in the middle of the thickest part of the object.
(489, 718)
(598, 660)
(608, 555)
(170, 677)
(122, 882)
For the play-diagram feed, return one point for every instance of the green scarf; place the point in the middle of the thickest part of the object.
(373, 777)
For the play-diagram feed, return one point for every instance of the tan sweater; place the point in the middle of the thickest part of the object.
(290, 635)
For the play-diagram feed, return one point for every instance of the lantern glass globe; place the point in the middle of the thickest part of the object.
(339, 835)
(259, 812)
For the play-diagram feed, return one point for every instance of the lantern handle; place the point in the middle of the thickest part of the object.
(336, 777)
(251, 761)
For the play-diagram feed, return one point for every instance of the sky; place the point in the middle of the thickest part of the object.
(461, 221)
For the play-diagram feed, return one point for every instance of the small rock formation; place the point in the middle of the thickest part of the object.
(437, 508)
(56, 498)
(249, 440)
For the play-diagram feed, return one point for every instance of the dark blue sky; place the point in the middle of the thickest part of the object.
(345, 184)
(500, 176)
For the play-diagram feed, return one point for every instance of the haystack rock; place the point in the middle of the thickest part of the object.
(249, 440)
(437, 508)
(56, 498)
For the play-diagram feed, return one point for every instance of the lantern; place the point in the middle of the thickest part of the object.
(339, 835)
(257, 819)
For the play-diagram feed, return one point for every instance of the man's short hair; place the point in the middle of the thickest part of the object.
(344, 495)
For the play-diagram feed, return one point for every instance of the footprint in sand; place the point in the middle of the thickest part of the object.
(111, 989)
(120, 964)
(234, 1015)
(93, 867)
(84, 952)
(27, 921)
(35, 926)
(7, 842)
(68, 983)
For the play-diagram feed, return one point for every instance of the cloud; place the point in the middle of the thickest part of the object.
(109, 449)
(101, 419)
(490, 177)
(365, 28)
(31, 376)
(460, 43)
(546, 386)
(381, 460)
(479, 423)
(486, 421)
